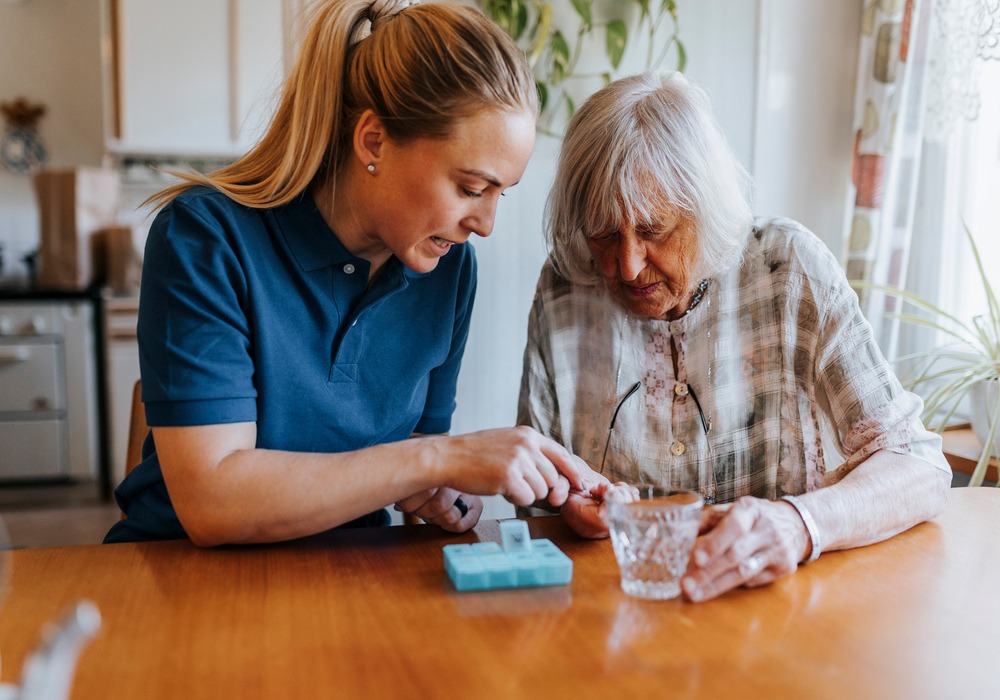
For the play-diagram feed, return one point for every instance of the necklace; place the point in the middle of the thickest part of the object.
(698, 294)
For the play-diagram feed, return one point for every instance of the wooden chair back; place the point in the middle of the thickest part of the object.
(137, 429)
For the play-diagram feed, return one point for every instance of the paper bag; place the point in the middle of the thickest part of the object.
(116, 264)
(72, 205)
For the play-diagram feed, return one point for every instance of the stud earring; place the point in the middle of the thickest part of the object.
(371, 167)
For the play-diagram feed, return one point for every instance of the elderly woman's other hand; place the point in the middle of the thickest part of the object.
(751, 542)
(587, 512)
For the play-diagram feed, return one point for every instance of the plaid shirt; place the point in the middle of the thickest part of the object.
(777, 353)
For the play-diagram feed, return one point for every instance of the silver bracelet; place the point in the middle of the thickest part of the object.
(811, 528)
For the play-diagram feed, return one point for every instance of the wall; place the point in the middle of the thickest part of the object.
(807, 66)
(50, 52)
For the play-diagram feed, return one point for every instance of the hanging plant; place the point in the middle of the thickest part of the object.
(555, 34)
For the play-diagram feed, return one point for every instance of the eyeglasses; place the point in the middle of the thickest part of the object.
(706, 424)
(607, 441)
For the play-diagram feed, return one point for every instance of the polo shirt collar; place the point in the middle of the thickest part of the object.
(311, 241)
(314, 244)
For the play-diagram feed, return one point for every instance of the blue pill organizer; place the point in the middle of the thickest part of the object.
(520, 562)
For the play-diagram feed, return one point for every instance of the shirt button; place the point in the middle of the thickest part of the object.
(349, 268)
(677, 449)
(681, 389)
(354, 323)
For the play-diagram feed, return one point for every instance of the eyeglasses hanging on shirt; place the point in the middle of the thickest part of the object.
(614, 418)
(706, 424)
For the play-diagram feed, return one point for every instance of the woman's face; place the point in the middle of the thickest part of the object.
(433, 194)
(648, 266)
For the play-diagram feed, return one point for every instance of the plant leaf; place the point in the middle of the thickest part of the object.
(991, 297)
(520, 19)
(543, 94)
(979, 473)
(616, 37)
(560, 57)
(911, 298)
(540, 32)
(583, 8)
(502, 12)
(682, 57)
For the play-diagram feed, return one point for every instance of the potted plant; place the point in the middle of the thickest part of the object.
(577, 46)
(967, 366)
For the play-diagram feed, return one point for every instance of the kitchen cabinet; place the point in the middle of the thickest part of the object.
(191, 77)
(49, 401)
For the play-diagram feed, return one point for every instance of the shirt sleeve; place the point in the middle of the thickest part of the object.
(538, 403)
(869, 408)
(440, 403)
(194, 336)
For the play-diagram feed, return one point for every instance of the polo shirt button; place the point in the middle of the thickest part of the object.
(677, 449)
(681, 389)
(354, 323)
(349, 268)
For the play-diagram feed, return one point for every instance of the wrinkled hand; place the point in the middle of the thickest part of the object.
(520, 464)
(751, 542)
(437, 507)
(587, 512)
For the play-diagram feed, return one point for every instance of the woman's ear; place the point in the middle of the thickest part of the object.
(369, 135)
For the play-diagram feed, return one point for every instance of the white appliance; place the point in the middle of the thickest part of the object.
(48, 388)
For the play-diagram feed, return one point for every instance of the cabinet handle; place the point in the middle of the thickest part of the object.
(10, 356)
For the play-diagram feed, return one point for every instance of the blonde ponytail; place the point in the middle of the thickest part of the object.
(419, 70)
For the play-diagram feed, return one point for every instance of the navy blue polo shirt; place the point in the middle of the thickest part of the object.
(263, 315)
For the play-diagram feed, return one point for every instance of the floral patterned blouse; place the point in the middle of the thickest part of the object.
(742, 396)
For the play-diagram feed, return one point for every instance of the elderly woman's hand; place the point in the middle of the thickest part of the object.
(587, 512)
(751, 542)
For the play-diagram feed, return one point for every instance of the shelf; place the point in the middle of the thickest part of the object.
(962, 449)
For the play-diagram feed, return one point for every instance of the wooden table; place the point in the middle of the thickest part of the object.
(370, 613)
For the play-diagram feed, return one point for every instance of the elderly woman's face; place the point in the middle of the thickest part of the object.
(648, 266)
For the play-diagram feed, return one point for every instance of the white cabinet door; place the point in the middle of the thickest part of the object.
(193, 77)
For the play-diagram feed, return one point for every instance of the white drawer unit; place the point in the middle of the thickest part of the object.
(33, 449)
(29, 374)
(48, 389)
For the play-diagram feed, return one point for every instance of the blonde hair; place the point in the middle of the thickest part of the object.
(638, 144)
(420, 71)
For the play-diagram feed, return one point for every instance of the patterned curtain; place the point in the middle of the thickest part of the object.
(888, 137)
(918, 78)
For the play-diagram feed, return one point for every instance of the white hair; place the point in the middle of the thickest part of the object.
(638, 144)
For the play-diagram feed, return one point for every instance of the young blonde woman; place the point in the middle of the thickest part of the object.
(304, 310)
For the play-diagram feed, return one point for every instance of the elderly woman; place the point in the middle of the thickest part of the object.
(676, 340)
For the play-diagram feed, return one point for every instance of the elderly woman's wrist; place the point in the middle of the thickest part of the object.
(814, 546)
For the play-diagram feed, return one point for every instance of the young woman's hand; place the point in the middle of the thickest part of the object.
(444, 507)
(519, 464)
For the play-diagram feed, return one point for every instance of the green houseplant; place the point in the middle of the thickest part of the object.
(563, 37)
(967, 366)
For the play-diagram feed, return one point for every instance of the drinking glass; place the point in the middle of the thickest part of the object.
(652, 538)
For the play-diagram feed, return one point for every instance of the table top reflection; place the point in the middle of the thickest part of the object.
(371, 613)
